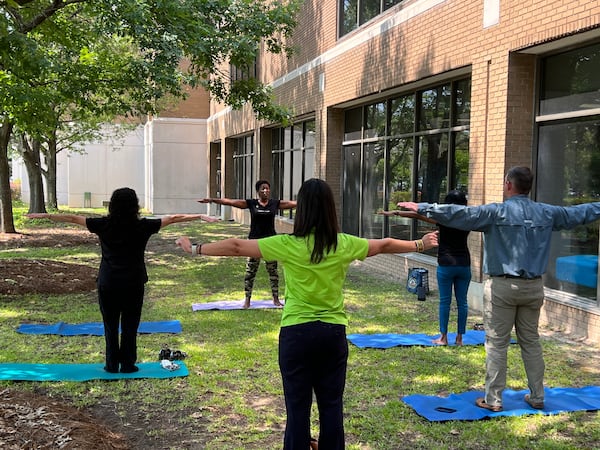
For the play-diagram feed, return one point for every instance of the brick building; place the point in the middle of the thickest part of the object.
(407, 99)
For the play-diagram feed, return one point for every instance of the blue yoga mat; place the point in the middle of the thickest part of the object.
(471, 337)
(95, 328)
(463, 407)
(83, 372)
(234, 304)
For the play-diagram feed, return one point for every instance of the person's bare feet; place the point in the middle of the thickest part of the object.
(276, 302)
(247, 303)
(442, 340)
(459, 340)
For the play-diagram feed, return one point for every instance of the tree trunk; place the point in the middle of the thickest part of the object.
(50, 173)
(31, 157)
(7, 224)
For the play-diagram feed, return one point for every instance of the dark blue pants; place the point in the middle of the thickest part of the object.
(121, 307)
(313, 358)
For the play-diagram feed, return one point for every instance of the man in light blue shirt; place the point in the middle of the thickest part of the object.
(517, 234)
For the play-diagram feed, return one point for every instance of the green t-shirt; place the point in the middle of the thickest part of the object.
(313, 291)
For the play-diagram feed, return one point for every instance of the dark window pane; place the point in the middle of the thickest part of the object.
(435, 108)
(387, 4)
(349, 14)
(462, 101)
(351, 199)
(375, 120)
(402, 120)
(461, 162)
(432, 168)
(400, 184)
(570, 81)
(277, 181)
(372, 190)
(368, 10)
(353, 124)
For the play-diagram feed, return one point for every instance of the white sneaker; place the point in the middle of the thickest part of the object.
(169, 365)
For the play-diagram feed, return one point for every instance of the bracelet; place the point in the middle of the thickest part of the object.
(419, 245)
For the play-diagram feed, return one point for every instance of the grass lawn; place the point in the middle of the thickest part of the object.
(233, 398)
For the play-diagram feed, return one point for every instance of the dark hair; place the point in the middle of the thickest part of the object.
(124, 205)
(315, 214)
(456, 197)
(521, 178)
(259, 183)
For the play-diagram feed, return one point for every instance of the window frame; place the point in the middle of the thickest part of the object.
(356, 141)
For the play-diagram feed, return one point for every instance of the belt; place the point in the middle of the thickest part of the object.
(506, 275)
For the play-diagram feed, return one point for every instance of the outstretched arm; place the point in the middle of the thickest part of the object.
(409, 214)
(68, 218)
(226, 247)
(411, 206)
(287, 204)
(391, 245)
(236, 203)
(178, 218)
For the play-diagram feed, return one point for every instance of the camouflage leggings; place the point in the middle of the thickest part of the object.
(251, 269)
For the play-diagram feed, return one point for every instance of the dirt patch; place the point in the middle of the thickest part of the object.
(38, 276)
(36, 421)
(33, 421)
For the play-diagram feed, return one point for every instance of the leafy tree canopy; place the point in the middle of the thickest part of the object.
(124, 55)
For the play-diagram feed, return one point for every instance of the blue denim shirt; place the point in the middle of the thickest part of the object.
(516, 232)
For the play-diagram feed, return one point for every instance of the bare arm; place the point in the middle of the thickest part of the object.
(68, 218)
(178, 218)
(287, 204)
(236, 203)
(409, 214)
(226, 247)
(390, 245)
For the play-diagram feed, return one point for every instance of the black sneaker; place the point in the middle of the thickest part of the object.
(165, 353)
(177, 355)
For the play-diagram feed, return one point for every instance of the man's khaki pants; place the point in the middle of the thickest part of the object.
(512, 302)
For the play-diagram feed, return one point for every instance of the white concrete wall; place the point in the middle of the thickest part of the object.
(164, 161)
(104, 167)
(176, 165)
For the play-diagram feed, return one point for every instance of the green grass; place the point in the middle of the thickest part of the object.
(233, 396)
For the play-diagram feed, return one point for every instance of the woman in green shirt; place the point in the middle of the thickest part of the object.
(313, 350)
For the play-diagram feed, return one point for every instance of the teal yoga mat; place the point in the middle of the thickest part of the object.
(83, 372)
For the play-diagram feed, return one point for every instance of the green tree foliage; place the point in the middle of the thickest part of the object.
(98, 59)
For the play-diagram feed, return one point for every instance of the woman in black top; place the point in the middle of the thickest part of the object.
(263, 211)
(453, 271)
(122, 275)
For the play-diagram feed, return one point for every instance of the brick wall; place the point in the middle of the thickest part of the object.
(415, 44)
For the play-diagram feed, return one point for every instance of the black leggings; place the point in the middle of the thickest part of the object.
(122, 305)
(313, 357)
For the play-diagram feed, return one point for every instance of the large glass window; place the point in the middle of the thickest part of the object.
(293, 150)
(354, 13)
(413, 147)
(243, 167)
(568, 163)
